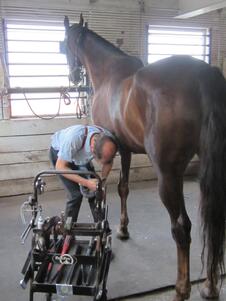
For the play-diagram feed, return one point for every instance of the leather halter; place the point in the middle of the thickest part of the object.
(77, 45)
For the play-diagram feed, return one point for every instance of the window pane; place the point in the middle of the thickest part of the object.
(30, 26)
(179, 49)
(31, 46)
(155, 57)
(34, 35)
(29, 82)
(41, 107)
(45, 104)
(34, 61)
(165, 39)
(29, 58)
(20, 70)
(164, 42)
(176, 31)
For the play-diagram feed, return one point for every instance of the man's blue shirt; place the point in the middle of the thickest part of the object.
(69, 143)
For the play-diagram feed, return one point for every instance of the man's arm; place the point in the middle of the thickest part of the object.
(64, 165)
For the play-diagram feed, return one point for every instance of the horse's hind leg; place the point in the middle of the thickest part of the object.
(123, 190)
(171, 193)
(210, 289)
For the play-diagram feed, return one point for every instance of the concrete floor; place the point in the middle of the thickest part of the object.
(167, 295)
(153, 268)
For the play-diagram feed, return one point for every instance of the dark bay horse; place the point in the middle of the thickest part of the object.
(170, 110)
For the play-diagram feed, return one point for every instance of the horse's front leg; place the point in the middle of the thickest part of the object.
(123, 190)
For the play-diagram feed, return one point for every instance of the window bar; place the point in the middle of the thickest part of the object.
(48, 90)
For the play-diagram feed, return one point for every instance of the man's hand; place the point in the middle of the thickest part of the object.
(92, 184)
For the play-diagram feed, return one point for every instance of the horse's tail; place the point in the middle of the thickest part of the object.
(213, 169)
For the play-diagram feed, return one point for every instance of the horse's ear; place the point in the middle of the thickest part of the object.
(86, 24)
(66, 23)
(81, 21)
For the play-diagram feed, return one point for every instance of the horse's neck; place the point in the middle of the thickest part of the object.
(97, 61)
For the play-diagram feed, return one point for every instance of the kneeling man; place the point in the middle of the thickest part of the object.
(74, 148)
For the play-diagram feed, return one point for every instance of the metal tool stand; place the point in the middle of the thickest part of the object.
(67, 258)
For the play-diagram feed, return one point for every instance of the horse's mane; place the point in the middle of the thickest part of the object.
(108, 45)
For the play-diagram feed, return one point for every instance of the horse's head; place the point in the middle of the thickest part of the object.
(70, 46)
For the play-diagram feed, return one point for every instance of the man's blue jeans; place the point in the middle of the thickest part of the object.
(73, 190)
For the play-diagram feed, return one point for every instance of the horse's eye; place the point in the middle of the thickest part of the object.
(62, 46)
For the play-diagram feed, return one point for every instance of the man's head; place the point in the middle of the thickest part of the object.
(104, 148)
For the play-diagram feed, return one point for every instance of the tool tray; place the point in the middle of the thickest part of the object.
(82, 269)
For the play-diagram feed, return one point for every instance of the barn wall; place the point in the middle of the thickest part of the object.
(24, 143)
(125, 19)
(24, 153)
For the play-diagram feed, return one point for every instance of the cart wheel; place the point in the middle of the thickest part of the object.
(49, 297)
(101, 296)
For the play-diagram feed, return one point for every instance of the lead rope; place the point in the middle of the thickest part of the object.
(65, 96)
(41, 117)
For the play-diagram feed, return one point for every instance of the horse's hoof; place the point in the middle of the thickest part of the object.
(178, 297)
(183, 291)
(208, 293)
(182, 297)
(122, 234)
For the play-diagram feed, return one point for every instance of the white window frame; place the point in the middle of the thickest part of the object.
(165, 41)
(43, 69)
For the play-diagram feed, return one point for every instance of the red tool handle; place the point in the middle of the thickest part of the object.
(66, 244)
(50, 265)
(65, 249)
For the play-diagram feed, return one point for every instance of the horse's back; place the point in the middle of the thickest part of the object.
(172, 72)
(165, 97)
